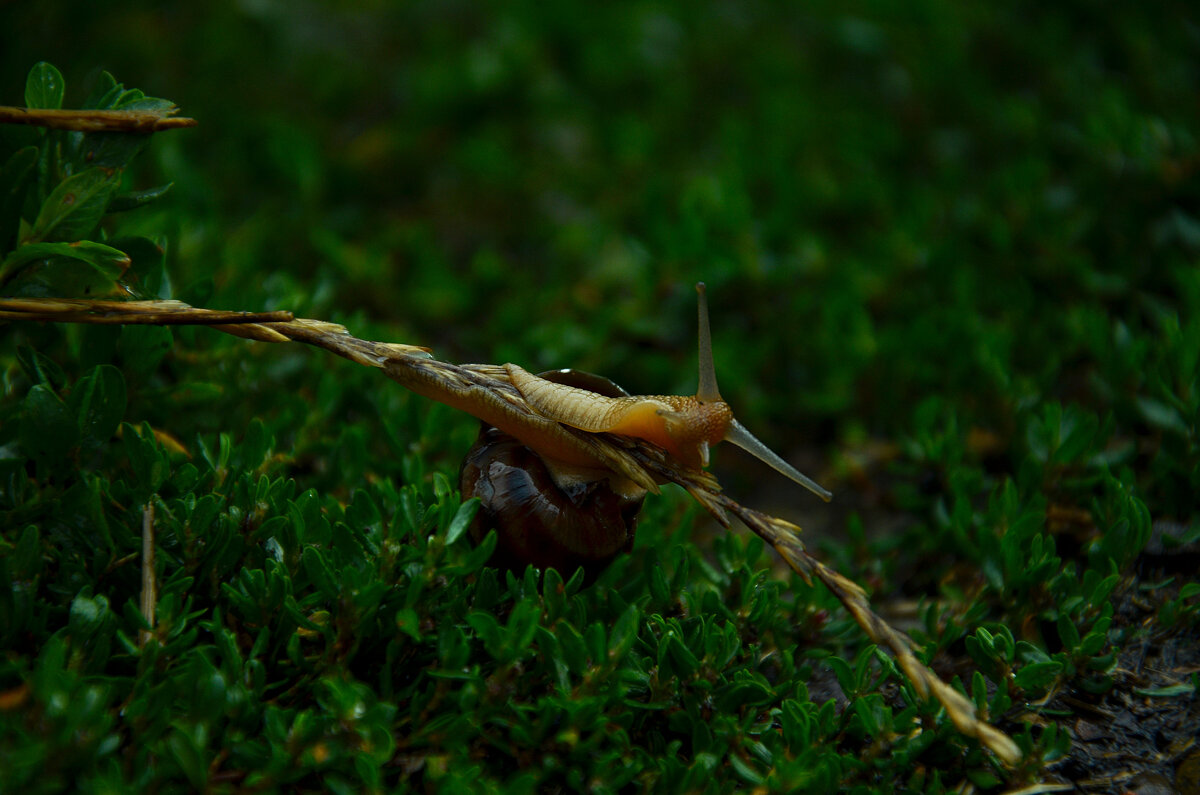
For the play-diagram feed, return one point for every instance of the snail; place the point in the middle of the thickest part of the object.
(547, 513)
(551, 504)
(684, 426)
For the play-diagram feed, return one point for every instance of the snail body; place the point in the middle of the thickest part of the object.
(682, 425)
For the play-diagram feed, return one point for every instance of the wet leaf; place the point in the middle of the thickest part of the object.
(75, 206)
(44, 87)
(98, 402)
(123, 202)
(108, 262)
(48, 427)
(462, 520)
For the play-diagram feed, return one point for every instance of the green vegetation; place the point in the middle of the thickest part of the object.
(953, 257)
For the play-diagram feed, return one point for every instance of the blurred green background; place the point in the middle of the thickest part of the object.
(888, 202)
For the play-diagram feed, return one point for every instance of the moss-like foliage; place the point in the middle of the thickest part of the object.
(953, 256)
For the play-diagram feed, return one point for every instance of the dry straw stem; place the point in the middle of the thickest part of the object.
(135, 121)
(149, 600)
(641, 462)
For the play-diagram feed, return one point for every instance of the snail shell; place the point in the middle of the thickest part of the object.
(547, 513)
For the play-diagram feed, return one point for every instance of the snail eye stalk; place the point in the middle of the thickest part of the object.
(708, 392)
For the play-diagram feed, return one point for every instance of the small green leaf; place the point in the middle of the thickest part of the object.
(62, 277)
(488, 630)
(983, 779)
(146, 457)
(143, 347)
(113, 150)
(45, 87)
(362, 511)
(522, 625)
(108, 263)
(1092, 643)
(575, 582)
(131, 201)
(843, 673)
(1068, 632)
(660, 591)
(745, 770)
(98, 402)
(48, 429)
(1037, 676)
(476, 557)
(597, 643)
(683, 657)
(104, 93)
(1162, 416)
(88, 616)
(408, 622)
(574, 650)
(462, 520)
(14, 181)
(1170, 691)
(255, 446)
(871, 711)
(40, 368)
(186, 754)
(134, 99)
(553, 596)
(146, 276)
(624, 633)
(746, 692)
(1103, 589)
(319, 573)
(75, 206)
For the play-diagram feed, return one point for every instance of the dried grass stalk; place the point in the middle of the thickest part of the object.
(134, 121)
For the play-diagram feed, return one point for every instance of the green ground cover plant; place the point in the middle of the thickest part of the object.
(953, 258)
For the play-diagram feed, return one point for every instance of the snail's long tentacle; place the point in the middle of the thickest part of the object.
(737, 434)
